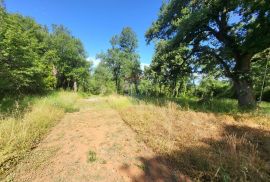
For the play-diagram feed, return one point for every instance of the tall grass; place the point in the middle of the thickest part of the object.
(19, 133)
(14, 105)
(215, 105)
(119, 102)
(203, 145)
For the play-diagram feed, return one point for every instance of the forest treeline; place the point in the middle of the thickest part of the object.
(209, 49)
(202, 49)
(36, 59)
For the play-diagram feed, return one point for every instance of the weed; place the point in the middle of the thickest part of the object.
(92, 156)
(143, 167)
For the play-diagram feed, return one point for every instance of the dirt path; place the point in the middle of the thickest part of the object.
(91, 145)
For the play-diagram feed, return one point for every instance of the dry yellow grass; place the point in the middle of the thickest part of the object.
(203, 146)
(19, 134)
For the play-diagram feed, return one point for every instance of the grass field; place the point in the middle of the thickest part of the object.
(212, 141)
(25, 122)
(219, 144)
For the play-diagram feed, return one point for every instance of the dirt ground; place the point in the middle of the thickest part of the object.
(91, 145)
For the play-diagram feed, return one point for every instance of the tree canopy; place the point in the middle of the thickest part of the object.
(123, 61)
(34, 60)
(219, 35)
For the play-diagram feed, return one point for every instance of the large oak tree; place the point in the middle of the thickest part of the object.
(229, 33)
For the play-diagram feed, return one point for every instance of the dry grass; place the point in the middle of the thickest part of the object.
(204, 146)
(19, 134)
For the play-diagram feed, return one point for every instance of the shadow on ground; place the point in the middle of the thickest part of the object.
(241, 154)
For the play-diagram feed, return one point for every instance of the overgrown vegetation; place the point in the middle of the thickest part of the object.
(203, 146)
(20, 132)
(36, 60)
(211, 37)
(119, 69)
(210, 58)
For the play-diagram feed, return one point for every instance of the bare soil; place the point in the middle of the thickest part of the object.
(92, 145)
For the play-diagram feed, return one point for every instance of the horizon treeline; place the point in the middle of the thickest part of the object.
(206, 50)
(207, 53)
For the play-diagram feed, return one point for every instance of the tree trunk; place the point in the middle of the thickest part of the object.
(244, 93)
(243, 83)
(137, 88)
(116, 85)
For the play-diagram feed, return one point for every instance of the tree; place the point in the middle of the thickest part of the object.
(134, 73)
(222, 31)
(128, 41)
(114, 60)
(122, 59)
(102, 80)
(23, 56)
(72, 66)
(33, 60)
(260, 73)
(170, 67)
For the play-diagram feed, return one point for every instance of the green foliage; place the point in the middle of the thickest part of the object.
(211, 87)
(71, 66)
(33, 60)
(128, 41)
(169, 69)
(261, 74)
(214, 39)
(22, 56)
(123, 61)
(266, 95)
(101, 82)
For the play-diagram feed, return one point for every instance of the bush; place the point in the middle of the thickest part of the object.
(211, 87)
(266, 95)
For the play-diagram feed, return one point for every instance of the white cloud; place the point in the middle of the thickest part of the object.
(143, 65)
(94, 61)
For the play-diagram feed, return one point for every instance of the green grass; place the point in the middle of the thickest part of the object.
(215, 105)
(264, 108)
(92, 156)
(14, 105)
(119, 102)
(22, 131)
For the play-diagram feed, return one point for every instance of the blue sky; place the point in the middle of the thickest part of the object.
(94, 21)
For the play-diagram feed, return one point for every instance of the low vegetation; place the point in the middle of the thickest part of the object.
(92, 156)
(21, 131)
(203, 146)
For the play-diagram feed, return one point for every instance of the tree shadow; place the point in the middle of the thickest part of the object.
(155, 169)
(241, 154)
